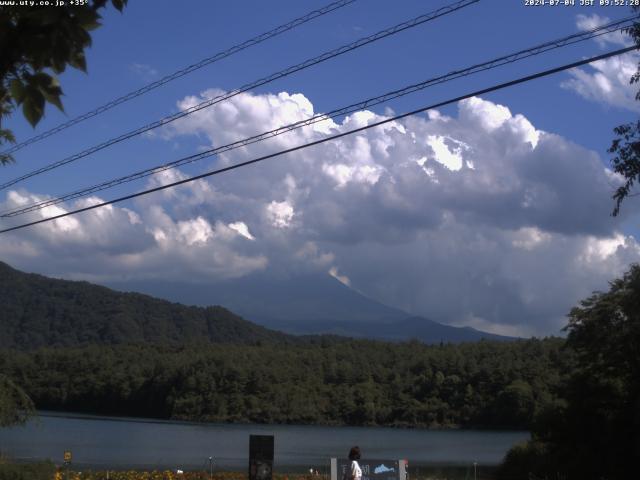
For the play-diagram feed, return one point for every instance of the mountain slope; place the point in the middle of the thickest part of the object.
(310, 305)
(38, 311)
(411, 328)
(301, 300)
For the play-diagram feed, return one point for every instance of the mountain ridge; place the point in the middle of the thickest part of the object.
(39, 311)
(311, 305)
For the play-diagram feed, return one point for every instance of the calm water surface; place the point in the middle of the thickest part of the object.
(102, 442)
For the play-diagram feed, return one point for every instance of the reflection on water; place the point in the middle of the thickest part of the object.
(118, 443)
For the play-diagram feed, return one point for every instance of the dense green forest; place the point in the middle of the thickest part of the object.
(483, 384)
(38, 311)
(132, 355)
(74, 346)
(593, 430)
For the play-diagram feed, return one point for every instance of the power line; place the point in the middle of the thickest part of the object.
(494, 88)
(180, 73)
(263, 81)
(507, 59)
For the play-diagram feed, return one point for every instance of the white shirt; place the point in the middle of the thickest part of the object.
(356, 472)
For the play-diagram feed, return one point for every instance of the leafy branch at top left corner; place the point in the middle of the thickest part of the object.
(38, 43)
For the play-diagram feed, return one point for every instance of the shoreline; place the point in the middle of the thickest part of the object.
(164, 421)
(121, 443)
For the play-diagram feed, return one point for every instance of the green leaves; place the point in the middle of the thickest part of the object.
(119, 4)
(626, 161)
(7, 136)
(594, 432)
(16, 87)
(78, 61)
(52, 91)
(5, 158)
(32, 91)
(43, 40)
(626, 147)
(33, 106)
(15, 406)
(88, 19)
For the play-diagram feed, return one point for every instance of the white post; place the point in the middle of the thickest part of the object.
(334, 469)
(402, 470)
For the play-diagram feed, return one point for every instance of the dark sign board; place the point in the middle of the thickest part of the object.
(260, 457)
(371, 469)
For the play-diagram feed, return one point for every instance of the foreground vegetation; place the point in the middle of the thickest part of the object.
(593, 430)
(15, 406)
(579, 397)
(47, 471)
(156, 475)
(26, 471)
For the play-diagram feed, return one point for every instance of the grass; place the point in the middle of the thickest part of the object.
(48, 471)
(27, 471)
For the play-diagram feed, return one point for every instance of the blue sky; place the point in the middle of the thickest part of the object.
(152, 39)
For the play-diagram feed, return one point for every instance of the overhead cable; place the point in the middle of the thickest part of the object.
(263, 81)
(483, 91)
(184, 71)
(488, 65)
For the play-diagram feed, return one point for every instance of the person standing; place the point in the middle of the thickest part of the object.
(355, 470)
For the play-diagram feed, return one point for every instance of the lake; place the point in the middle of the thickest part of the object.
(108, 442)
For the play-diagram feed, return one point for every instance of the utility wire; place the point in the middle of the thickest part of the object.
(494, 88)
(180, 73)
(263, 81)
(507, 59)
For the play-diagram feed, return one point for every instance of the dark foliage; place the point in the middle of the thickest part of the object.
(15, 406)
(38, 311)
(142, 356)
(626, 146)
(27, 471)
(36, 42)
(626, 162)
(483, 384)
(594, 433)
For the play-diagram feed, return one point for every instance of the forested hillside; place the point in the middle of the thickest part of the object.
(133, 355)
(309, 305)
(38, 311)
(483, 384)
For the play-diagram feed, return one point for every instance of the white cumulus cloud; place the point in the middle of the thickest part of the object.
(475, 219)
(606, 81)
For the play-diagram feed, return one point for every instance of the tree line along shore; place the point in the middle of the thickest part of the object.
(358, 382)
